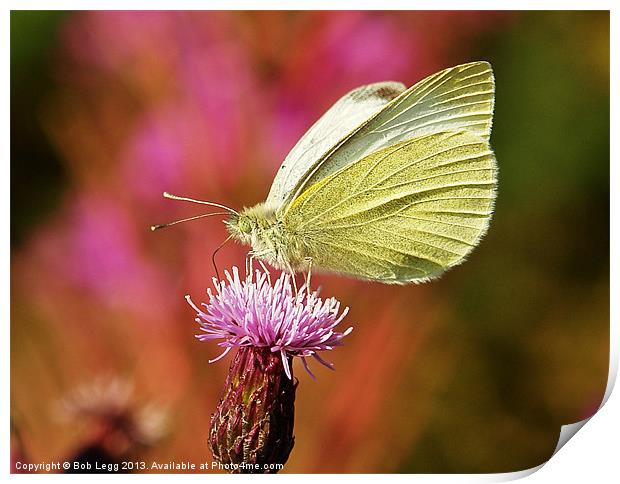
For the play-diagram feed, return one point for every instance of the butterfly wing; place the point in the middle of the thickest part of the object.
(343, 117)
(402, 214)
(457, 99)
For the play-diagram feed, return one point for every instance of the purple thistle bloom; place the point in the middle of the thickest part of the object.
(255, 313)
(251, 430)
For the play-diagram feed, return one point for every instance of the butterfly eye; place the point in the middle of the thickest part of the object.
(245, 225)
(240, 224)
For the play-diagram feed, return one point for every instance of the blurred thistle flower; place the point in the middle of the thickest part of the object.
(252, 427)
(120, 426)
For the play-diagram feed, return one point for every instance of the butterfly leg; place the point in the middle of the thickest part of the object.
(292, 273)
(308, 274)
(262, 264)
(249, 266)
(294, 282)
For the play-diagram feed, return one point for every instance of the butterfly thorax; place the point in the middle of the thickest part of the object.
(267, 234)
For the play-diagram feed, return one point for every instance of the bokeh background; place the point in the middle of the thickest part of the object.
(475, 372)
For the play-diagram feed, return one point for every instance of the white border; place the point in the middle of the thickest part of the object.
(590, 456)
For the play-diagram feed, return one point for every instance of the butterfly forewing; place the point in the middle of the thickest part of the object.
(455, 99)
(402, 214)
(342, 118)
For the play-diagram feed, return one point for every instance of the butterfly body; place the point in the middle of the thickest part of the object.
(391, 184)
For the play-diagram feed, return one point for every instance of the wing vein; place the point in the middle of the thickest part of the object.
(389, 261)
(463, 96)
(385, 128)
(406, 207)
(430, 177)
(417, 242)
(443, 222)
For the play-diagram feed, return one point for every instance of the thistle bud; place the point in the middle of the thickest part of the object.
(252, 428)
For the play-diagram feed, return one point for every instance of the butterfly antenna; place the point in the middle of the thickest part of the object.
(202, 202)
(217, 274)
(163, 226)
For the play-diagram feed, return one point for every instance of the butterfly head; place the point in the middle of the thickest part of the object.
(240, 227)
(247, 224)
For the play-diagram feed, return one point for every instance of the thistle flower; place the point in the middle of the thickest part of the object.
(112, 401)
(246, 313)
(252, 427)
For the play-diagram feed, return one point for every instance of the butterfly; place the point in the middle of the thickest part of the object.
(391, 184)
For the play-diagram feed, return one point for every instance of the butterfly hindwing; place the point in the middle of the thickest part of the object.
(403, 214)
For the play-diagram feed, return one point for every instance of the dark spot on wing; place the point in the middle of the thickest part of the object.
(387, 92)
(382, 90)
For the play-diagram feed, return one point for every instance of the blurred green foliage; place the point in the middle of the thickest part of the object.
(37, 175)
